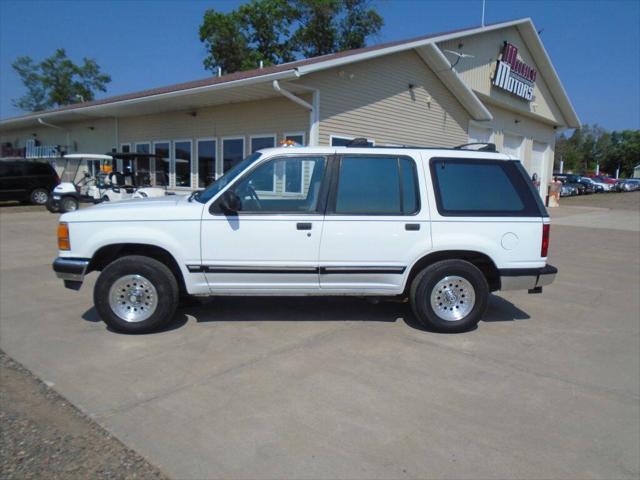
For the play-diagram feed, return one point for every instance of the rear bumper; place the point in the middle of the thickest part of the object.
(71, 270)
(527, 278)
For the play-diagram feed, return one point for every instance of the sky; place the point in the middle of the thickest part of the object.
(594, 45)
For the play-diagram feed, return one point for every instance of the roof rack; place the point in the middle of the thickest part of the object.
(488, 147)
(362, 142)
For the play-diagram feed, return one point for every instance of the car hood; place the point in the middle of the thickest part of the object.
(169, 207)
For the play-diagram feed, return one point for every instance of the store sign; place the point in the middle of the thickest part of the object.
(513, 75)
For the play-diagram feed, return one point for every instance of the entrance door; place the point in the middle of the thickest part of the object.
(275, 236)
(374, 226)
(538, 163)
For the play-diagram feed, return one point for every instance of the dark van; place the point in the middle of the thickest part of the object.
(27, 181)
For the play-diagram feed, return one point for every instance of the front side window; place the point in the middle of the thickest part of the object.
(377, 185)
(182, 155)
(474, 187)
(305, 200)
(232, 152)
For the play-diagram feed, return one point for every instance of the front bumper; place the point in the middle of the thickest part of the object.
(71, 270)
(527, 278)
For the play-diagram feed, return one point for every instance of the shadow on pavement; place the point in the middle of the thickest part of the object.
(310, 309)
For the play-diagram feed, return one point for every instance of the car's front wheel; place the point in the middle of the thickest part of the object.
(136, 294)
(449, 296)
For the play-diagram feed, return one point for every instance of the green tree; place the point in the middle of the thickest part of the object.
(57, 81)
(592, 145)
(278, 31)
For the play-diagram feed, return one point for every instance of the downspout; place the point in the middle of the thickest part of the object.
(313, 107)
(51, 125)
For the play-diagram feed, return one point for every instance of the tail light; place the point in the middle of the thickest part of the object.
(545, 240)
(63, 237)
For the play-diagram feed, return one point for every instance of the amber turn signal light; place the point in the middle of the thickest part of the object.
(63, 237)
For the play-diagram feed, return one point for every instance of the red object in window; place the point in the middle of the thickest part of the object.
(545, 240)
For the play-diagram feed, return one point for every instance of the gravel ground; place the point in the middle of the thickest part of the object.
(43, 436)
(615, 200)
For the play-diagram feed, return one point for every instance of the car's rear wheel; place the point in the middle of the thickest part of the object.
(136, 294)
(39, 196)
(68, 204)
(449, 296)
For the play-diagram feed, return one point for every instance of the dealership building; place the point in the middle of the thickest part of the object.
(486, 84)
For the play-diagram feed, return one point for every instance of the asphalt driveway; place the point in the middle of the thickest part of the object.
(548, 386)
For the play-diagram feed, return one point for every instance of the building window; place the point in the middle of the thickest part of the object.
(297, 137)
(182, 159)
(125, 147)
(163, 162)
(232, 152)
(206, 161)
(262, 141)
(343, 141)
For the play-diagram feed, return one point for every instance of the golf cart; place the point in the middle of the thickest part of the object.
(99, 182)
(146, 171)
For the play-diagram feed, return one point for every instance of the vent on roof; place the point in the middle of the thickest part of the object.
(482, 147)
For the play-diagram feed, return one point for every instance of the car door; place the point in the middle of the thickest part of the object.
(271, 243)
(375, 226)
(12, 181)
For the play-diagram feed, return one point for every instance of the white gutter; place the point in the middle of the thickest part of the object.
(51, 125)
(441, 66)
(314, 109)
(285, 75)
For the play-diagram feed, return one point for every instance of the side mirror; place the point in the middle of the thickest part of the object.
(229, 203)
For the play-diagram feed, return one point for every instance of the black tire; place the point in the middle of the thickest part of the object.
(423, 286)
(39, 196)
(53, 205)
(157, 273)
(69, 204)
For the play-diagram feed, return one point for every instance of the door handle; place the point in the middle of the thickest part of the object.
(412, 226)
(303, 226)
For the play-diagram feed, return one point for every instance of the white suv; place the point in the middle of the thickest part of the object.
(443, 227)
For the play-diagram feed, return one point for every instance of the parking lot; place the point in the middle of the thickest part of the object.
(547, 386)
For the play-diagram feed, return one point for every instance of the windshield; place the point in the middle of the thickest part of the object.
(212, 190)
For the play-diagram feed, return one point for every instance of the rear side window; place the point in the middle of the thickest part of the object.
(472, 187)
(376, 185)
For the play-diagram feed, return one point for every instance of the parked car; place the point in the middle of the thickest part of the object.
(27, 181)
(599, 187)
(568, 190)
(436, 226)
(630, 185)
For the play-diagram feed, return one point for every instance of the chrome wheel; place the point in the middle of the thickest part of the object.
(39, 197)
(133, 298)
(452, 298)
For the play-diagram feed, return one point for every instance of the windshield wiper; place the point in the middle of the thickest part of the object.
(194, 195)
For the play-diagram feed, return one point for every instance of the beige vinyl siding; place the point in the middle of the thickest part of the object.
(478, 71)
(373, 99)
(274, 115)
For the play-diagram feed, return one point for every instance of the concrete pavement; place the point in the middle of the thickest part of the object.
(548, 386)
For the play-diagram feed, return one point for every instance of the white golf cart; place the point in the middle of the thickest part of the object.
(98, 182)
